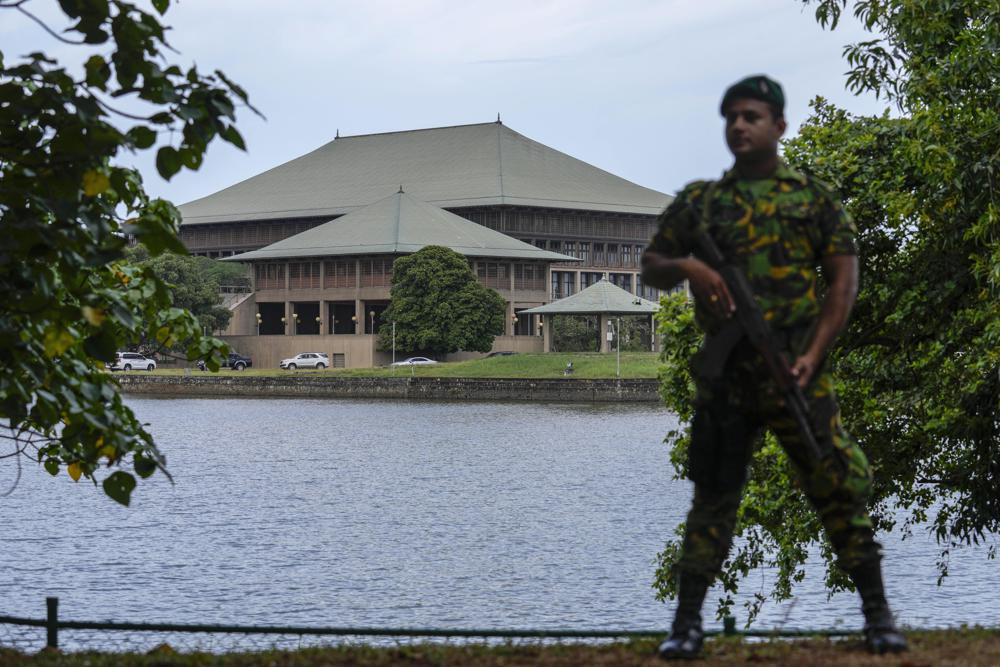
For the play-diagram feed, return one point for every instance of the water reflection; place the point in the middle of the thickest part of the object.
(406, 514)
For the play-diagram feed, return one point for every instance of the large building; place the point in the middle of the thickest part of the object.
(576, 223)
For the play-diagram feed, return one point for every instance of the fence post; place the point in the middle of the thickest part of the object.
(52, 623)
(729, 625)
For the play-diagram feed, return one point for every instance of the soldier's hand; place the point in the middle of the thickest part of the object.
(710, 288)
(803, 369)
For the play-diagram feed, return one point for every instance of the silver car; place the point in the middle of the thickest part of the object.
(414, 361)
(126, 361)
(306, 360)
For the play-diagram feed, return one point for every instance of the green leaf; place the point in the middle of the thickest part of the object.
(161, 6)
(102, 345)
(144, 466)
(168, 162)
(231, 135)
(142, 137)
(51, 466)
(119, 486)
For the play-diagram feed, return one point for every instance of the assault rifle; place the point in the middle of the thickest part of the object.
(750, 322)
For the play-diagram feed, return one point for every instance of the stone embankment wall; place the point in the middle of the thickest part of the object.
(475, 389)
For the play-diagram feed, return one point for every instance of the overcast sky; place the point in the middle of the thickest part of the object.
(631, 86)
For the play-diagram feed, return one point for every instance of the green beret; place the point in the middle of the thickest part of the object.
(757, 87)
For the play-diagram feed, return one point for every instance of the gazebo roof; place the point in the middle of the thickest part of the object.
(400, 224)
(600, 298)
(485, 164)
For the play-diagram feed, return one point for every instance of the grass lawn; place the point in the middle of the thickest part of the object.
(586, 365)
(965, 648)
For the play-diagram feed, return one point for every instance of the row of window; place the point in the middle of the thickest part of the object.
(595, 225)
(244, 234)
(593, 253)
(377, 272)
(564, 283)
(265, 232)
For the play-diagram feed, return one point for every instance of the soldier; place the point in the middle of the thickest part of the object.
(775, 225)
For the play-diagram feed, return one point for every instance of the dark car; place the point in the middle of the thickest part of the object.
(235, 361)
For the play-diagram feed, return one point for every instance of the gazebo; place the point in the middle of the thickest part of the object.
(603, 299)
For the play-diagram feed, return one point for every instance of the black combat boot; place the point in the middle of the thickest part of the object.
(686, 636)
(881, 634)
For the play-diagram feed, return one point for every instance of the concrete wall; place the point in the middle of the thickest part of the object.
(319, 386)
(244, 317)
(268, 351)
(358, 350)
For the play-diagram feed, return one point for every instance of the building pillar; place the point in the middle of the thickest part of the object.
(546, 334)
(359, 316)
(576, 282)
(289, 325)
(324, 313)
(603, 320)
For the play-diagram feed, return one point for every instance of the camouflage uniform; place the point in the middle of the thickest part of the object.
(776, 230)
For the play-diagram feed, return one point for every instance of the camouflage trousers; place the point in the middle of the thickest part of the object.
(730, 416)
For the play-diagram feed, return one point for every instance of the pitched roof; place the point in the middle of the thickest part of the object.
(398, 224)
(601, 297)
(464, 165)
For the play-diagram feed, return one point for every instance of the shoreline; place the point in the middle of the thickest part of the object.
(561, 390)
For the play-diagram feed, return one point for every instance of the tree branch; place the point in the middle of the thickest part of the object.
(46, 28)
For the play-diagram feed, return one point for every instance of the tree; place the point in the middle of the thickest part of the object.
(438, 305)
(194, 286)
(69, 297)
(918, 366)
(575, 333)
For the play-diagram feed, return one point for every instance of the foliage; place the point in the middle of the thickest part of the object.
(69, 299)
(634, 332)
(194, 286)
(574, 333)
(918, 366)
(439, 306)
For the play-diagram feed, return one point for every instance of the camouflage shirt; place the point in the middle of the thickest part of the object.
(776, 230)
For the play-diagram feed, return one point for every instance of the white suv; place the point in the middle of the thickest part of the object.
(126, 361)
(306, 360)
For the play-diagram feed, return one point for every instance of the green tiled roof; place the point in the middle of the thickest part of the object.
(601, 297)
(466, 165)
(400, 224)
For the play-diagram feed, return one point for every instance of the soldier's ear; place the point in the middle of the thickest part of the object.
(781, 124)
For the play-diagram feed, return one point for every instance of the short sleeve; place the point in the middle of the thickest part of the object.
(839, 234)
(675, 225)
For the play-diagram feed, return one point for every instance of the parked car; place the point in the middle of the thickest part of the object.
(414, 361)
(306, 360)
(126, 361)
(237, 362)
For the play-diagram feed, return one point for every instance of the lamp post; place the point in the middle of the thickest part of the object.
(258, 322)
(513, 325)
(295, 323)
(371, 315)
(615, 329)
(284, 325)
(618, 347)
(319, 324)
(354, 321)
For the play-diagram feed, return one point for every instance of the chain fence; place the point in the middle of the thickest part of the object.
(30, 635)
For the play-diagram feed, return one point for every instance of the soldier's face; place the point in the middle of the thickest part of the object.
(752, 131)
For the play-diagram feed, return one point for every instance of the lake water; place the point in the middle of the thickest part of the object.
(405, 514)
